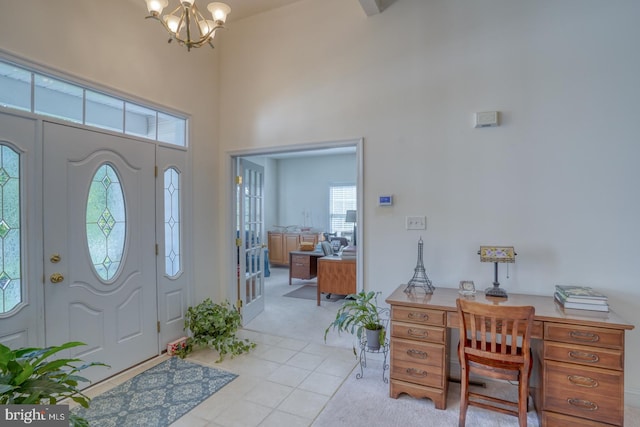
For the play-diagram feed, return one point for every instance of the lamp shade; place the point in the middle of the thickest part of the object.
(219, 11)
(497, 254)
(351, 216)
(155, 6)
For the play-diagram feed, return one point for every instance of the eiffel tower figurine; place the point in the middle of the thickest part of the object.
(420, 279)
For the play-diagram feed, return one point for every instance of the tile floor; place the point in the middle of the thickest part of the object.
(286, 380)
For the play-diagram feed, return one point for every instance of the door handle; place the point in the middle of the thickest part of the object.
(56, 278)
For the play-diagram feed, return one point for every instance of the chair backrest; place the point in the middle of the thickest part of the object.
(495, 332)
(326, 248)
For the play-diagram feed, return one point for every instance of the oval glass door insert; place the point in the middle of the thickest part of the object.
(106, 222)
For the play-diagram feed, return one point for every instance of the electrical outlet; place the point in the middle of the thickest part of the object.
(416, 223)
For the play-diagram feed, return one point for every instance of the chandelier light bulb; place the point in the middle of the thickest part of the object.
(155, 7)
(207, 26)
(172, 22)
(219, 11)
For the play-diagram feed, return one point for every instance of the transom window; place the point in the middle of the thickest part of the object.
(27, 90)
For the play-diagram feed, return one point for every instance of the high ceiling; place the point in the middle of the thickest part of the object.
(242, 8)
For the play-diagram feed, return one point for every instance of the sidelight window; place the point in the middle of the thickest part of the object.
(10, 234)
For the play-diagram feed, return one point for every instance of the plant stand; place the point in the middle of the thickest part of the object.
(384, 347)
(362, 359)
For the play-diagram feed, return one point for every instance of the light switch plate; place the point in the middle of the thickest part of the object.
(416, 223)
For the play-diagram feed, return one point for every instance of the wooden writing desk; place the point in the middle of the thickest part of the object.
(303, 264)
(336, 276)
(578, 377)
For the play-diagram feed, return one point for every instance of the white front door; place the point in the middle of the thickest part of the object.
(99, 246)
(251, 239)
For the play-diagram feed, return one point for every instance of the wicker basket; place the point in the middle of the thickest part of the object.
(306, 246)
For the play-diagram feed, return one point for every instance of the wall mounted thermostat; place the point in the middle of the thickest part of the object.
(385, 200)
(486, 119)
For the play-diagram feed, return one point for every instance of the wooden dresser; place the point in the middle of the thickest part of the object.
(578, 378)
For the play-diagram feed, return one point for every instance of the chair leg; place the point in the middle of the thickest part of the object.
(464, 394)
(523, 398)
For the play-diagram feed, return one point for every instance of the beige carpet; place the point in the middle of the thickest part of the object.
(365, 402)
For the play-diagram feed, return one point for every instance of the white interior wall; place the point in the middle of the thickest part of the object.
(303, 188)
(557, 179)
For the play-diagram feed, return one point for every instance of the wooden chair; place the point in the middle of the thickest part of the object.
(495, 343)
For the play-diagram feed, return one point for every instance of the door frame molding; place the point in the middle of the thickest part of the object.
(230, 197)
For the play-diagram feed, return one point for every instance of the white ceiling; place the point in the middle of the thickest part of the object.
(243, 8)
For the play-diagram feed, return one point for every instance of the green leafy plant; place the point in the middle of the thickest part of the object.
(359, 312)
(27, 377)
(214, 325)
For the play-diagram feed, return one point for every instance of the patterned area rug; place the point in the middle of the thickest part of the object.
(157, 397)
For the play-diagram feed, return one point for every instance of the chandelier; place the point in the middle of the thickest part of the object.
(186, 24)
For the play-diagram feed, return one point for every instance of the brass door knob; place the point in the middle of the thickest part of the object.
(56, 278)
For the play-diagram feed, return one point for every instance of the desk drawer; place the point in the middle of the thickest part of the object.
(423, 316)
(551, 419)
(585, 335)
(302, 260)
(417, 374)
(417, 332)
(583, 355)
(591, 393)
(417, 353)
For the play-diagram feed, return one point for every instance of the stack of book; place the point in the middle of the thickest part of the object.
(581, 298)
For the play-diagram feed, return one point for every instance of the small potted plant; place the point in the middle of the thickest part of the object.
(214, 325)
(360, 314)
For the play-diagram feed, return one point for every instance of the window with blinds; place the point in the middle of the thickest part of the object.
(341, 198)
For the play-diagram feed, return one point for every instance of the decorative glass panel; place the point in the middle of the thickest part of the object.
(10, 251)
(106, 222)
(172, 221)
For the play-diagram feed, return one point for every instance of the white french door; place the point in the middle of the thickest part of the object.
(99, 246)
(251, 239)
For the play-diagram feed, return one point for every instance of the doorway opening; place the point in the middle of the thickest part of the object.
(296, 199)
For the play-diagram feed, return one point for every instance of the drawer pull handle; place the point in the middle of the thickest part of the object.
(583, 404)
(582, 381)
(584, 357)
(417, 354)
(418, 316)
(418, 333)
(584, 336)
(418, 373)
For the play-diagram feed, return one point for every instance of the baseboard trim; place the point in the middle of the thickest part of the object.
(632, 397)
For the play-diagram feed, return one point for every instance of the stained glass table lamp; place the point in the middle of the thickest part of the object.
(496, 254)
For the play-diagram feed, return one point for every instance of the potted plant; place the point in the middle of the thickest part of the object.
(214, 325)
(28, 378)
(360, 314)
